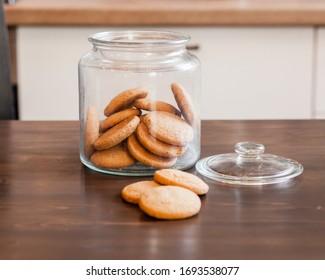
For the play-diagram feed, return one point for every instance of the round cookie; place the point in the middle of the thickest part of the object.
(184, 102)
(170, 202)
(156, 146)
(117, 133)
(147, 158)
(91, 130)
(115, 157)
(152, 105)
(168, 128)
(124, 100)
(182, 179)
(131, 193)
(118, 117)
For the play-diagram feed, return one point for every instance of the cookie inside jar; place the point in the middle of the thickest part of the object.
(139, 99)
(136, 134)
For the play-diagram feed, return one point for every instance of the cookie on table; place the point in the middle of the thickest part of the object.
(170, 203)
(153, 105)
(124, 100)
(156, 146)
(181, 178)
(168, 128)
(146, 157)
(117, 133)
(118, 117)
(184, 102)
(132, 192)
(115, 157)
(91, 130)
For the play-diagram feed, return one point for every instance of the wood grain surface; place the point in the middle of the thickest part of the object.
(166, 12)
(52, 207)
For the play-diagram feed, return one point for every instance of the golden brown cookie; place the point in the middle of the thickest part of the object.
(131, 193)
(117, 133)
(115, 157)
(118, 117)
(124, 100)
(181, 178)
(153, 105)
(170, 202)
(91, 130)
(168, 128)
(156, 146)
(184, 102)
(146, 157)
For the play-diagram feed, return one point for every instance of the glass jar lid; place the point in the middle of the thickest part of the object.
(249, 166)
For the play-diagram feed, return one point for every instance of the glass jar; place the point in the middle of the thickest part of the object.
(139, 98)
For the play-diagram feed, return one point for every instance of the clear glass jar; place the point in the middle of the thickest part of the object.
(139, 95)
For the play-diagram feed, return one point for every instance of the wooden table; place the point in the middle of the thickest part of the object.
(52, 207)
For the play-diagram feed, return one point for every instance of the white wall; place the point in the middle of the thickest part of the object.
(319, 102)
(247, 72)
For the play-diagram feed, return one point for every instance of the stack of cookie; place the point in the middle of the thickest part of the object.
(173, 194)
(126, 136)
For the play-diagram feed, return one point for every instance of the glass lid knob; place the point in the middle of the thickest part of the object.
(249, 149)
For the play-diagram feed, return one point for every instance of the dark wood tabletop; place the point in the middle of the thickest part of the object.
(53, 207)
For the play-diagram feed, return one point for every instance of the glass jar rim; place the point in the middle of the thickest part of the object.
(138, 38)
